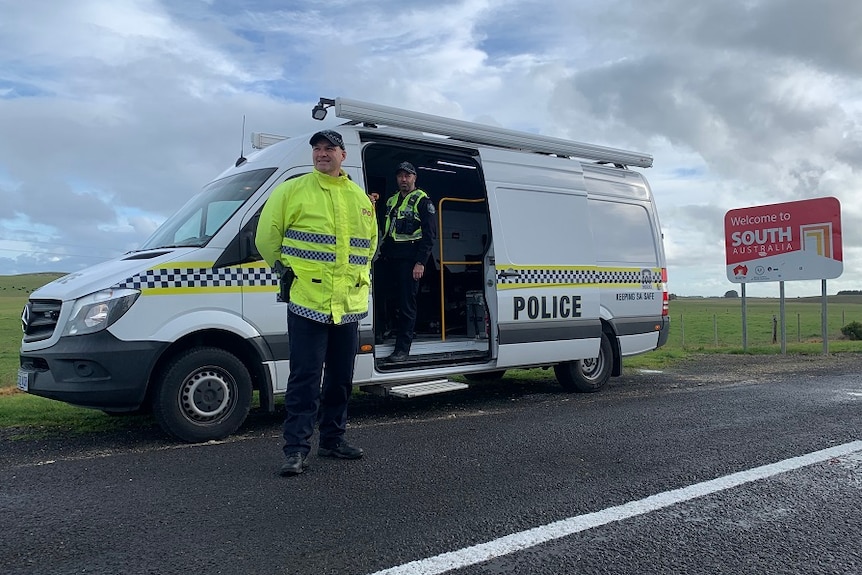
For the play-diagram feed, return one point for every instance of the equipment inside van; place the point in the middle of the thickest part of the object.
(549, 254)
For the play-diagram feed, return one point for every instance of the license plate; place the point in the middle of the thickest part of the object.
(23, 380)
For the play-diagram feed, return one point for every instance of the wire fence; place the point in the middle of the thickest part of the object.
(707, 328)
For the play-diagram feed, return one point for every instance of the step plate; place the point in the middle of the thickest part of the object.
(425, 388)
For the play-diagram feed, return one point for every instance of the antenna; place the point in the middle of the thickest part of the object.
(242, 159)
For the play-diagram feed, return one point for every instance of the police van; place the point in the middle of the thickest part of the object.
(549, 254)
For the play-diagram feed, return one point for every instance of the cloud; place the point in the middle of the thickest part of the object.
(114, 114)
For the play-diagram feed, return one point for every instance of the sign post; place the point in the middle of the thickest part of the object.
(781, 242)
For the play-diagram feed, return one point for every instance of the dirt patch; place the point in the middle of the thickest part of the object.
(733, 367)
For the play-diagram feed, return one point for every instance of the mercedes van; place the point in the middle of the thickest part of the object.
(549, 254)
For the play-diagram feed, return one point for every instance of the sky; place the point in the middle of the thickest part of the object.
(114, 113)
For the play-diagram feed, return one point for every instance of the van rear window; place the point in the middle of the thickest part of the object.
(622, 233)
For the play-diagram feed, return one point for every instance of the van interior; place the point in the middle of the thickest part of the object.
(452, 312)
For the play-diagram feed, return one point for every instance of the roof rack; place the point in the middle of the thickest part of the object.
(480, 133)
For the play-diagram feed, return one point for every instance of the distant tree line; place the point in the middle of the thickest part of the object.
(850, 292)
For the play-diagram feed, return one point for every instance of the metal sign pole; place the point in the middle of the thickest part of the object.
(824, 317)
(744, 322)
(783, 322)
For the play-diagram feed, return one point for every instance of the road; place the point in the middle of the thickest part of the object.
(717, 466)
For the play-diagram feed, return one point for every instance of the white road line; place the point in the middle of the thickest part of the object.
(538, 535)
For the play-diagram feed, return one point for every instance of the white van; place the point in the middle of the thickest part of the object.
(549, 254)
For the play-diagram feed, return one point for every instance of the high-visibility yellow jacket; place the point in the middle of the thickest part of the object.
(324, 228)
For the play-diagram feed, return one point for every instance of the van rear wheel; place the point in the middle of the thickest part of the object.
(587, 375)
(204, 393)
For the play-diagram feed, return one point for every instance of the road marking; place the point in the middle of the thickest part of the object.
(538, 535)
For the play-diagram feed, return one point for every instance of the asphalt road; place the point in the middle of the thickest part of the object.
(522, 475)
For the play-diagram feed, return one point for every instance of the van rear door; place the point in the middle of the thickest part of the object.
(547, 297)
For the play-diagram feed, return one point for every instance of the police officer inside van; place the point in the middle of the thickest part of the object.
(410, 229)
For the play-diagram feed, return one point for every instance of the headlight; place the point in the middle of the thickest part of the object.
(97, 311)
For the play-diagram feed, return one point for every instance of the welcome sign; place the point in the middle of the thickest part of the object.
(780, 242)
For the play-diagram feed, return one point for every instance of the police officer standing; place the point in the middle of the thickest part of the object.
(410, 230)
(322, 227)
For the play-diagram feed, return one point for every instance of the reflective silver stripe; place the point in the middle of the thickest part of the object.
(358, 260)
(360, 243)
(308, 254)
(310, 237)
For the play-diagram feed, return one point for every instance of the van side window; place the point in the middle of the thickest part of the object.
(622, 233)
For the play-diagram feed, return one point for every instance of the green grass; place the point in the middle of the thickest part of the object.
(33, 417)
(708, 325)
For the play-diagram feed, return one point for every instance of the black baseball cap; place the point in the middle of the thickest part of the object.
(406, 167)
(331, 136)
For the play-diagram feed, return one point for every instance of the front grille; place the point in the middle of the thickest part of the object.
(39, 319)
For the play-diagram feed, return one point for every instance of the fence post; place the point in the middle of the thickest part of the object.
(715, 328)
(774, 329)
(798, 329)
(682, 328)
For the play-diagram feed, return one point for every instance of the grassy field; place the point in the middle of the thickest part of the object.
(698, 325)
(717, 322)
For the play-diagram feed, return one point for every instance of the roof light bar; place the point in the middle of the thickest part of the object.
(260, 140)
(482, 134)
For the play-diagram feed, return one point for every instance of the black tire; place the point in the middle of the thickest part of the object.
(203, 394)
(587, 375)
(485, 377)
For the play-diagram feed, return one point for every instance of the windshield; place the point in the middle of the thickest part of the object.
(202, 216)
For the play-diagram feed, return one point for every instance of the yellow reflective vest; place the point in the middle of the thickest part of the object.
(403, 223)
(324, 228)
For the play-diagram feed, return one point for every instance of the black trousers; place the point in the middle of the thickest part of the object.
(306, 402)
(395, 276)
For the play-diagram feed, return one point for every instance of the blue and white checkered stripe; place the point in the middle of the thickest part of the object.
(310, 237)
(308, 254)
(163, 278)
(319, 317)
(586, 277)
(323, 240)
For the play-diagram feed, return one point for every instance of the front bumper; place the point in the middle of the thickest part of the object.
(96, 370)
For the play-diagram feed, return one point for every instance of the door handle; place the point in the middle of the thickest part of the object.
(510, 274)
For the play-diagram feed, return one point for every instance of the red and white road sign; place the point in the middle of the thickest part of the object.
(779, 242)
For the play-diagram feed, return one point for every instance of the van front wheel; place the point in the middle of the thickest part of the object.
(204, 394)
(587, 375)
